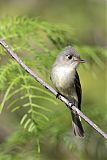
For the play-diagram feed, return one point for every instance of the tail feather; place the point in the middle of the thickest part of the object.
(77, 126)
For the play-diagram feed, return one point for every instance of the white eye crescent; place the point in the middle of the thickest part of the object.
(69, 56)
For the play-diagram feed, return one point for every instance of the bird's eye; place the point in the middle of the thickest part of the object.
(69, 57)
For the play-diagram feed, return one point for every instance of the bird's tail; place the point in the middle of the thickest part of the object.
(77, 126)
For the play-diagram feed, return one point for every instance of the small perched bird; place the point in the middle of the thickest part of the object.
(66, 80)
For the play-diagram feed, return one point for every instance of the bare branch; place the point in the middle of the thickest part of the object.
(49, 88)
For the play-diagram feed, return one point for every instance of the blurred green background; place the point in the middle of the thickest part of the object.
(33, 123)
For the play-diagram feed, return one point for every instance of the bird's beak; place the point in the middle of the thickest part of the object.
(82, 60)
(79, 60)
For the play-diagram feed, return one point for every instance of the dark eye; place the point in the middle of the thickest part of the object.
(69, 56)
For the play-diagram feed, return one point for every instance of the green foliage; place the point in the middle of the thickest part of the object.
(37, 42)
(13, 95)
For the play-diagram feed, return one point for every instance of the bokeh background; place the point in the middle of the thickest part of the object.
(33, 123)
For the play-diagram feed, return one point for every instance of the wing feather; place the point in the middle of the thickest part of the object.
(78, 89)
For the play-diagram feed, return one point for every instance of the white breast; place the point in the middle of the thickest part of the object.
(63, 77)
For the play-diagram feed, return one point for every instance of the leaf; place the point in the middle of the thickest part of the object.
(27, 122)
(23, 119)
(16, 108)
(1, 108)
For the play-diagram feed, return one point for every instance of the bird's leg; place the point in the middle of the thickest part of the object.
(71, 103)
(58, 94)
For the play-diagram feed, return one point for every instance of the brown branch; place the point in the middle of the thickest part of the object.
(49, 88)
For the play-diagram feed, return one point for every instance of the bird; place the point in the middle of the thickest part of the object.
(66, 80)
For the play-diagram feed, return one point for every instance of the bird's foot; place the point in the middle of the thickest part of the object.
(70, 104)
(58, 94)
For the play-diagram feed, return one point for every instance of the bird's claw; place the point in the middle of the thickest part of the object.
(58, 94)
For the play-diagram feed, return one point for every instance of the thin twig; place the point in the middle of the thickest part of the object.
(49, 88)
